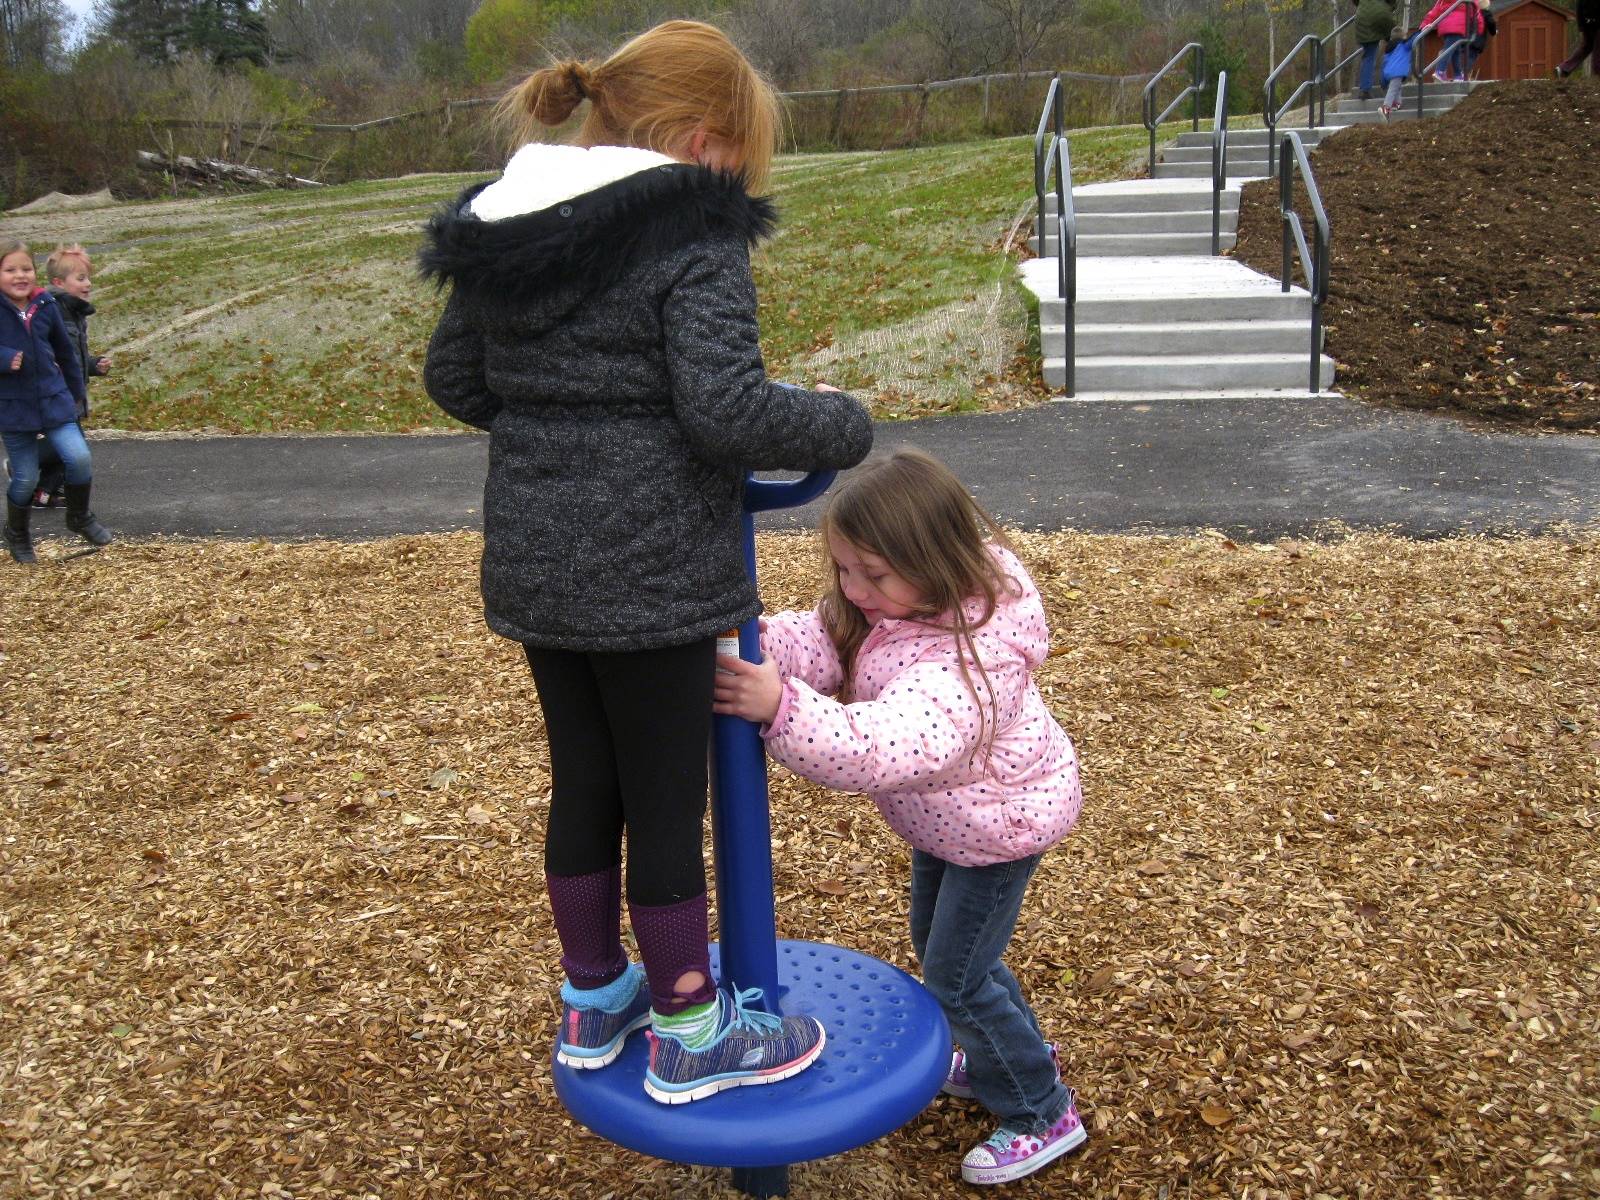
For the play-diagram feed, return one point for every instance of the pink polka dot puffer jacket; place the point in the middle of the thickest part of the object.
(913, 737)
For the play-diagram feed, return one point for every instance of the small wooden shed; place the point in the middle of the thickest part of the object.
(1531, 41)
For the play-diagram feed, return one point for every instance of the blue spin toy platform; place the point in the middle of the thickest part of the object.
(887, 1053)
(888, 1044)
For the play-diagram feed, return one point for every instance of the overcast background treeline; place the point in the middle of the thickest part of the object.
(78, 94)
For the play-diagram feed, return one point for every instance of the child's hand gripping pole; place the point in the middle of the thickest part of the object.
(751, 690)
(741, 827)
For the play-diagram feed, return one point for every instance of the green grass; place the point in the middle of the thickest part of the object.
(302, 310)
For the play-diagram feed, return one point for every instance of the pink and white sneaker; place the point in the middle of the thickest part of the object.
(957, 1084)
(1009, 1155)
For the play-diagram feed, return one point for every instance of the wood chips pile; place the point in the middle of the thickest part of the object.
(273, 922)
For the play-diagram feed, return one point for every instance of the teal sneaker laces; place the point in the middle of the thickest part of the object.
(752, 1018)
(1002, 1138)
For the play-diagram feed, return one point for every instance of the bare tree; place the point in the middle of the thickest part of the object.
(1028, 23)
(968, 38)
(779, 35)
(389, 32)
(31, 32)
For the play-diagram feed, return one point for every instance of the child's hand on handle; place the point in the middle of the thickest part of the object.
(103, 365)
(748, 690)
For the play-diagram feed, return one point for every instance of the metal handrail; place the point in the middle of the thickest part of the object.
(1197, 76)
(1314, 264)
(1058, 155)
(1416, 47)
(1338, 67)
(1219, 160)
(1272, 113)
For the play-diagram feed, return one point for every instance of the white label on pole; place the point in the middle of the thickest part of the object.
(728, 646)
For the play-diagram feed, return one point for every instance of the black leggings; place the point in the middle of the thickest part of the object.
(628, 740)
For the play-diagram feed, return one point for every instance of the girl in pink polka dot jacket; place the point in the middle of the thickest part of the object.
(912, 682)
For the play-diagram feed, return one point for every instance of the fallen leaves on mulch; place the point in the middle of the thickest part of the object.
(1465, 270)
(273, 922)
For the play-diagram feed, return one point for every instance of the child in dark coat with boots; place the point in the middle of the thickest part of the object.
(41, 388)
(68, 269)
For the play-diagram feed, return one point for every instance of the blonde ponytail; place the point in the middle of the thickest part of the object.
(547, 97)
(655, 93)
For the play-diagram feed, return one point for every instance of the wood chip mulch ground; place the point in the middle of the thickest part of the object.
(272, 922)
(1466, 270)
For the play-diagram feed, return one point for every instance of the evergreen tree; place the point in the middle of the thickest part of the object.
(224, 32)
(228, 32)
(152, 29)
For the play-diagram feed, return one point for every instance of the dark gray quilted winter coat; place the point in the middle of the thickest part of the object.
(609, 346)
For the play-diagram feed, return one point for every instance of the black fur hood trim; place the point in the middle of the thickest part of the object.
(592, 237)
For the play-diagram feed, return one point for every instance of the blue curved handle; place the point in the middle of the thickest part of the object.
(760, 495)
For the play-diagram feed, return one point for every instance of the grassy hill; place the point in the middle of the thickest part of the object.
(302, 310)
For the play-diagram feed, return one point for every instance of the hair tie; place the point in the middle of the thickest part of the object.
(579, 75)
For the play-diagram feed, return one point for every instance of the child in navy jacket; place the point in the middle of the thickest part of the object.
(68, 269)
(41, 389)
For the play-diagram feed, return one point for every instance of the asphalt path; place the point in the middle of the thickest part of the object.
(1258, 469)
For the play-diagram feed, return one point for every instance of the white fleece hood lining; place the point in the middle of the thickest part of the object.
(541, 176)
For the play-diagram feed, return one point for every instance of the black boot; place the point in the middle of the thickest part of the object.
(18, 539)
(80, 520)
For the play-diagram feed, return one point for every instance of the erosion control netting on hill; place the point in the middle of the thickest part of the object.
(1466, 269)
(939, 356)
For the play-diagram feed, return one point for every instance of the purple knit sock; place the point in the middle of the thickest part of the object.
(672, 940)
(588, 912)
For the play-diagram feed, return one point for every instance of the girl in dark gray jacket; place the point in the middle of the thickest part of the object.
(601, 326)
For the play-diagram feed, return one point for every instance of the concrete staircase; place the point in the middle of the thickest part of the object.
(1157, 316)
(1176, 326)
(1190, 156)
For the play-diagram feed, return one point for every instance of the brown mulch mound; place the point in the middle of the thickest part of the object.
(272, 921)
(1466, 255)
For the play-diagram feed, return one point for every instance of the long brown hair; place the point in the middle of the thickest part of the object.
(654, 93)
(910, 510)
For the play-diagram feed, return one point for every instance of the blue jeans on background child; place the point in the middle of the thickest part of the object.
(961, 922)
(22, 455)
(1454, 65)
(1369, 64)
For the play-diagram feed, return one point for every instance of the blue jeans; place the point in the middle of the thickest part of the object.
(961, 921)
(1369, 64)
(1453, 67)
(22, 456)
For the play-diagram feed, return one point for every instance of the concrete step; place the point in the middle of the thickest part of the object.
(1163, 290)
(1183, 338)
(1239, 169)
(1202, 154)
(1409, 90)
(1150, 204)
(1141, 244)
(1432, 106)
(1252, 137)
(1375, 117)
(1281, 395)
(1162, 373)
(1194, 220)
(1171, 309)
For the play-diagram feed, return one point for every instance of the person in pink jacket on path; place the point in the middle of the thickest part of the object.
(912, 681)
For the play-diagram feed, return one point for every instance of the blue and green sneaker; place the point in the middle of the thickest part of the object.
(750, 1047)
(595, 1023)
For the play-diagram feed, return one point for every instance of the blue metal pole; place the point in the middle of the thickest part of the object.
(741, 826)
(741, 834)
